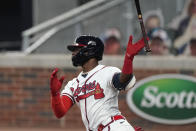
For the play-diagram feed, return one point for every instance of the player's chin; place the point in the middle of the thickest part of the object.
(74, 61)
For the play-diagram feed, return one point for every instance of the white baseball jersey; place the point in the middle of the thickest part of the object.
(95, 95)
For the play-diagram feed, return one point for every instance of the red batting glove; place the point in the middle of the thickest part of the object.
(132, 50)
(55, 83)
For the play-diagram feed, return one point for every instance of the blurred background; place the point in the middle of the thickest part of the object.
(33, 39)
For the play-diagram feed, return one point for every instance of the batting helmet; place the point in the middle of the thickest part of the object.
(91, 47)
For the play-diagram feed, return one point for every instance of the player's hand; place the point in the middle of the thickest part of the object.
(55, 83)
(133, 49)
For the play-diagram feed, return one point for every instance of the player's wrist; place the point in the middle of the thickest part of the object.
(128, 65)
(55, 93)
(56, 99)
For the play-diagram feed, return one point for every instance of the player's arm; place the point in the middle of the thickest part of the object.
(125, 80)
(60, 104)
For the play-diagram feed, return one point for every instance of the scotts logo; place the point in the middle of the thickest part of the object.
(167, 99)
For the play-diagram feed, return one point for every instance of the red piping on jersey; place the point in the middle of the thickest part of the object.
(109, 128)
(85, 92)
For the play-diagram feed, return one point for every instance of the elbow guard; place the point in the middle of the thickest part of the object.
(123, 86)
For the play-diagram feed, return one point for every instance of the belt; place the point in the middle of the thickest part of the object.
(114, 118)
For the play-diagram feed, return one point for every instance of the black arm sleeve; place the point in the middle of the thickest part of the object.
(117, 84)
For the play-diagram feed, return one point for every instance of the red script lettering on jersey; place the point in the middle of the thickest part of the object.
(94, 89)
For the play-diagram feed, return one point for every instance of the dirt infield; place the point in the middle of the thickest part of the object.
(38, 129)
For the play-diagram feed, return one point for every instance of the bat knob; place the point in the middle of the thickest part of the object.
(148, 51)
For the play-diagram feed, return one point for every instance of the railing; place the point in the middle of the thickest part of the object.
(36, 36)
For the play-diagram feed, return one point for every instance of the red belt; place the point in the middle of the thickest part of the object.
(114, 118)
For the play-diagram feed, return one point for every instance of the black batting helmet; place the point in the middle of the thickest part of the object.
(91, 47)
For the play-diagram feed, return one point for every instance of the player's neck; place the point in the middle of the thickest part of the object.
(89, 65)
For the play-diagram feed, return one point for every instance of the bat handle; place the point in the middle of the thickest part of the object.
(147, 47)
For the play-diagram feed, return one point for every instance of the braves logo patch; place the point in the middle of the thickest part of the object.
(94, 89)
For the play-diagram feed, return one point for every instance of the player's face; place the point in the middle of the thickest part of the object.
(76, 50)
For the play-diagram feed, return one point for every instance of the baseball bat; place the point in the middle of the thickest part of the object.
(139, 13)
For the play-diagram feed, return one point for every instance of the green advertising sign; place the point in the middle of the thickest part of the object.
(167, 99)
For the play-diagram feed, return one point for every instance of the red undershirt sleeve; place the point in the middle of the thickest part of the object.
(60, 105)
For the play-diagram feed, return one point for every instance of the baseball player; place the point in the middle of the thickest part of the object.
(95, 90)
